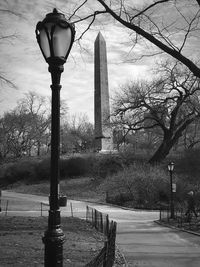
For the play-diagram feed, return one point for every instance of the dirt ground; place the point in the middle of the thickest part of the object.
(21, 241)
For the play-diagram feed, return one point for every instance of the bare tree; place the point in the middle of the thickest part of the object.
(38, 109)
(168, 104)
(25, 127)
(16, 127)
(171, 26)
(191, 135)
(77, 134)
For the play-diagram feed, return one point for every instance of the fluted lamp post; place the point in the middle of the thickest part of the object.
(171, 169)
(55, 36)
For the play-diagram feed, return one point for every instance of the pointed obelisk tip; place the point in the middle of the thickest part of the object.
(99, 37)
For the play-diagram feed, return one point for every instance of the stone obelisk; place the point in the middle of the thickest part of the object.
(103, 133)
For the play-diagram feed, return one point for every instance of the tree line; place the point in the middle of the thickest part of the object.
(158, 114)
(26, 130)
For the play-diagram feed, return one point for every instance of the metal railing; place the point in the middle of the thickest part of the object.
(181, 219)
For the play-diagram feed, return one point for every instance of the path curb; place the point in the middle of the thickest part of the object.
(177, 228)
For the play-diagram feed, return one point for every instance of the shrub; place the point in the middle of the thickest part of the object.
(189, 165)
(34, 171)
(104, 165)
(22, 170)
(75, 166)
(141, 181)
(118, 199)
(43, 169)
(128, 156)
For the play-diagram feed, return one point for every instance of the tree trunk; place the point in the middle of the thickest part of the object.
(163, 150)
(38, 149)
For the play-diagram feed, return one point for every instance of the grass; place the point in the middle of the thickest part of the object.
(21, 244)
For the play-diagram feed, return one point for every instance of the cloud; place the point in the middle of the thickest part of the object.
(22, 60)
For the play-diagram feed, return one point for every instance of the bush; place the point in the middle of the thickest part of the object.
(22, 170)
(43, 169)
(70, 167)
(189, 165)
(128, 156)
(118, 199)
(34, 171)
(76, 166)
(95, 165)
(141, 181)
(104, 165)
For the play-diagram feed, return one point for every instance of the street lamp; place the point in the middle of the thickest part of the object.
(170, 169)
(55, 37)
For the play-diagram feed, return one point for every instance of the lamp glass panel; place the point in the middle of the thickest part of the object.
(61, 41)
(171, 166)
(44, 43)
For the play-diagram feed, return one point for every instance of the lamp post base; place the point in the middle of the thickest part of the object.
(53, 240)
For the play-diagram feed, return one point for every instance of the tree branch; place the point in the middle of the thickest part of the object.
(198, 1)
(174, 53)
(147, 8)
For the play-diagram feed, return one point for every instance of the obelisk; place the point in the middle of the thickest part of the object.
(103, 133)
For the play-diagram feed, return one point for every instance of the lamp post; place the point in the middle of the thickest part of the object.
(170, 169)
(55, 37)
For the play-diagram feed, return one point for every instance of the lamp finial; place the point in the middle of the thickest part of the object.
(55, 11)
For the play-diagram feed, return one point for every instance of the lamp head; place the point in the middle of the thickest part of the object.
(55, 36)
(171, 166)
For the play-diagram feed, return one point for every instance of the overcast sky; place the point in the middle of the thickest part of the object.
(23, 63)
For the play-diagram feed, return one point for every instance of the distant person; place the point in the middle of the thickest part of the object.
(191, 204)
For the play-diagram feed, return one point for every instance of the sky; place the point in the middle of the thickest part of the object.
(23, 63)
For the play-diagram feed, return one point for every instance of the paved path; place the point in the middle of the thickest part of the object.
(143, 242)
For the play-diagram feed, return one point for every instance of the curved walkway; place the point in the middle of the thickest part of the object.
(143, 242)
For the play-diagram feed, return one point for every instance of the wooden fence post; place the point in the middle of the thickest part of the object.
(92, 217)
(87, 214)
(71, 209)
(105, 259)
(101, 222)
(95, 218)
(107, 225)
(41, 209)
(6, 207)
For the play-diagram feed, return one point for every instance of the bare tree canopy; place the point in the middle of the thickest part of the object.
(169, 103)
(77, 134)
(25, 127)
(172, 26)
